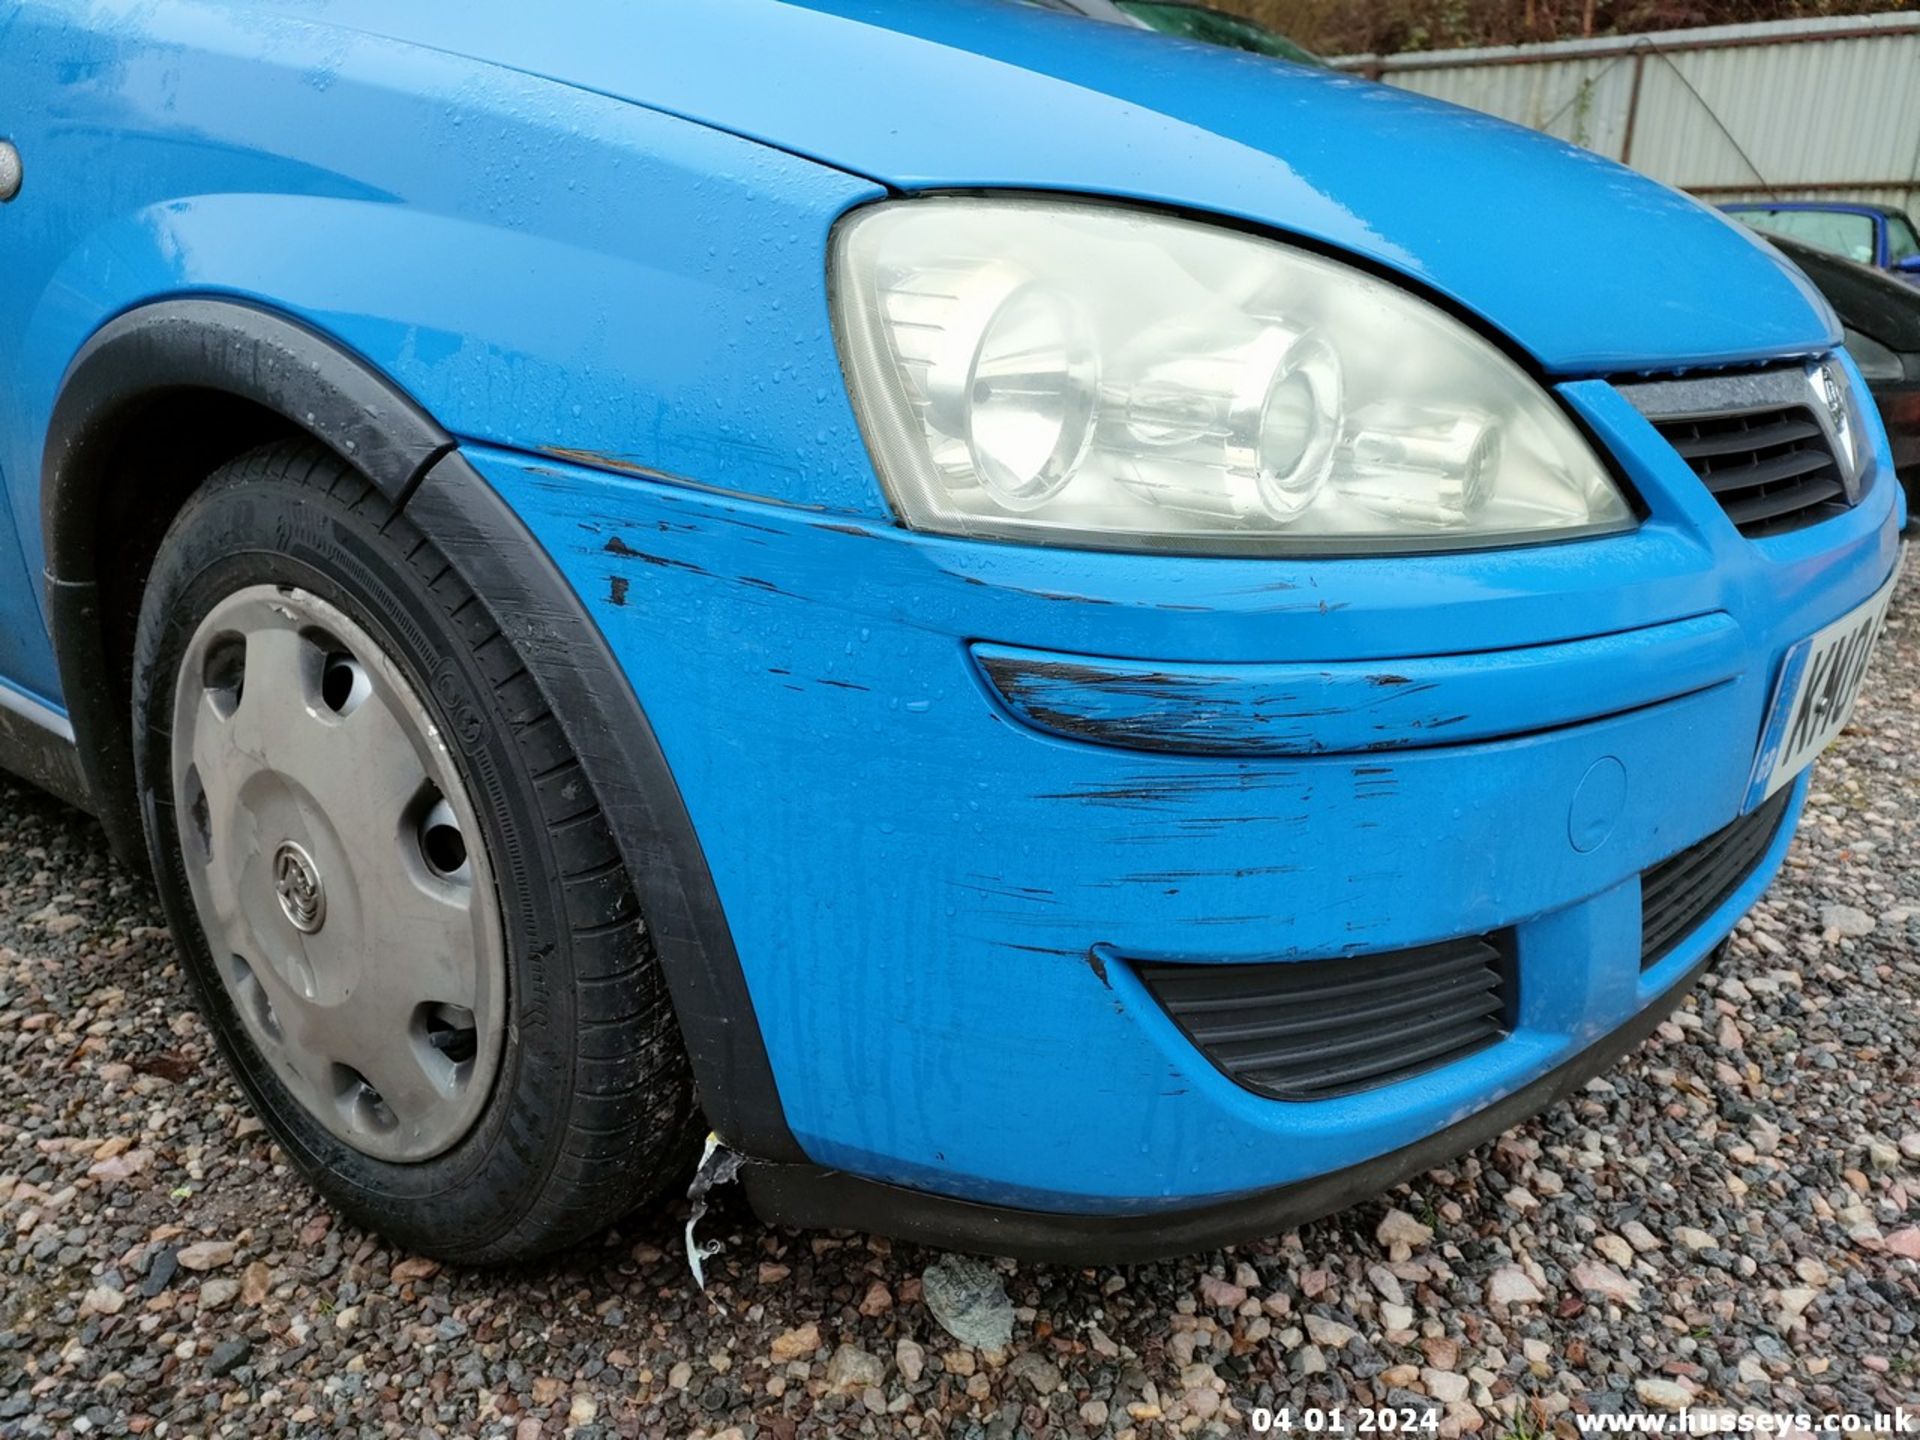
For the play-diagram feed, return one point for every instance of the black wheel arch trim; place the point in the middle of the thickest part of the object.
(239, 348)
(320, 386)
(808, 1197)
(590, 694)
(196, 342)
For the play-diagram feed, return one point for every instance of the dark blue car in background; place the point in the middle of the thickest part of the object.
(1082, 645)
(1877, 235)
(1881, 320)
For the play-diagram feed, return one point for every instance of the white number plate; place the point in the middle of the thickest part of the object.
(1819, 682)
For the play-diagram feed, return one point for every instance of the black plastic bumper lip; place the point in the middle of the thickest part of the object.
(810, 1198)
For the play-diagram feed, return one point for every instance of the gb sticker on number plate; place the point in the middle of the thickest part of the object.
(1819, 682)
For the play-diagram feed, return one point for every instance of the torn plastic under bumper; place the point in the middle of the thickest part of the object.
(810, 1197)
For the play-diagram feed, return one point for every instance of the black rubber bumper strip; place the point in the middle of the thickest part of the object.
(588, 691)
(811, 1198)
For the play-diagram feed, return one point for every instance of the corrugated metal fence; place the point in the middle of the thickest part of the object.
(1794, 109)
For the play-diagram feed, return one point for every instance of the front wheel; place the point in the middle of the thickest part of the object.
(402, 910)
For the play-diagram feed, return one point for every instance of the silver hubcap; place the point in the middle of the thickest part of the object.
(339, 873)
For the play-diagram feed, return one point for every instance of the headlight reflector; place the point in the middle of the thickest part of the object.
(1083, 374)
(1224, 427)
(1005, 373)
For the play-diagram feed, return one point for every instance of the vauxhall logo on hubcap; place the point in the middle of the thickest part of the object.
(296, 880)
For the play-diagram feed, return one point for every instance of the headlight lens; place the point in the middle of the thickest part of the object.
(1087, 375)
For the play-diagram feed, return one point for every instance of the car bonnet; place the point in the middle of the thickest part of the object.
(1583, 265)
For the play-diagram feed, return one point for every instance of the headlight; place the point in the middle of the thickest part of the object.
(1086, 375)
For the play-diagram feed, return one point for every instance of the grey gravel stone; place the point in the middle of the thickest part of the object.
(1036, 1371)
(160, 1272)
(228, 1356)
(1846, 920)
(852, 1368)
(968, 1298)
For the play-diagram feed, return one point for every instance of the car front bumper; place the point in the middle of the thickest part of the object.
(941, 884)
(811, 1197)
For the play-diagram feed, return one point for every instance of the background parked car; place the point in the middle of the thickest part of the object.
(1882, 318)
(1190, 22)
(1875, 235)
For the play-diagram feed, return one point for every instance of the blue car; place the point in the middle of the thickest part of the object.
(1876, 235)
(1077, 644)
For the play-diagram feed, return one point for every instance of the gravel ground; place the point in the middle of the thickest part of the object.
(1730, 1216)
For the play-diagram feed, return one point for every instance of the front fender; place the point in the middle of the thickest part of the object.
(535, 266)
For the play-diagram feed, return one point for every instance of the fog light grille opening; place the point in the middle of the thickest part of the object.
(1679, 894)
(1315, 1029)
(1771, 470)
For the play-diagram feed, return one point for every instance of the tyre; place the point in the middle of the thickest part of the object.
(402, 910)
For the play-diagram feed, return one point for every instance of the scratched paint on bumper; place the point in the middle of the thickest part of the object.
(921, 884)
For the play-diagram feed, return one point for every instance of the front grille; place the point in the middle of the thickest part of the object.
(1771, 470)
(1314, 1029)
(1677, 895)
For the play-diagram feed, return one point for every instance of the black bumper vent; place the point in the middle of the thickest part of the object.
(1677, 895)
(1771, 470)
(1314, 1029)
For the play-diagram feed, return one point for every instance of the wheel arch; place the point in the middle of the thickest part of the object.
(211, 376)
(226, 362)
